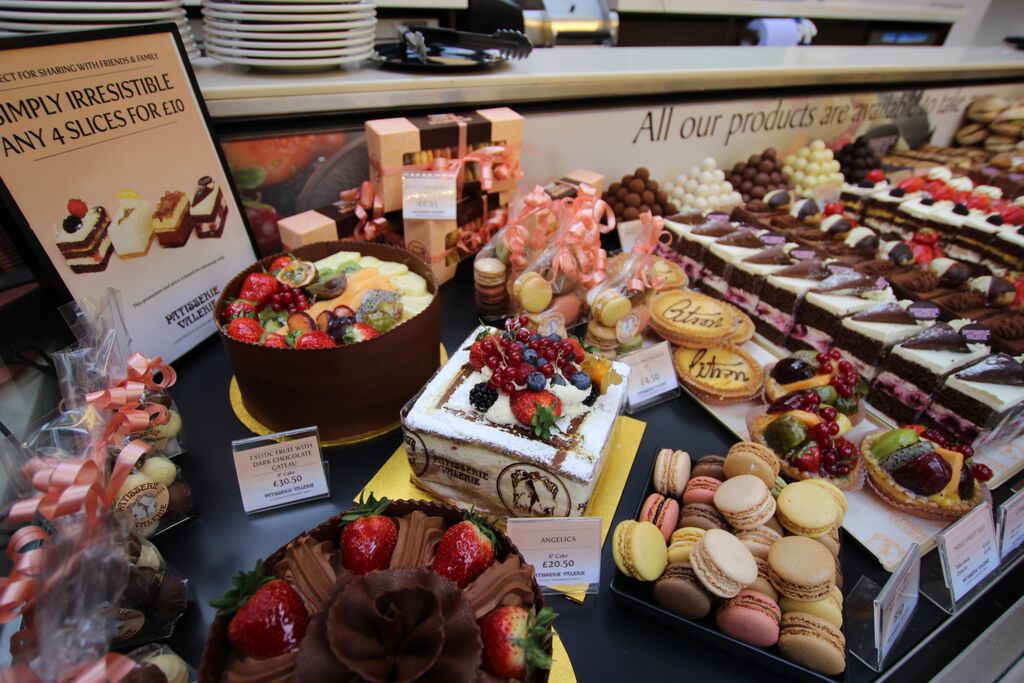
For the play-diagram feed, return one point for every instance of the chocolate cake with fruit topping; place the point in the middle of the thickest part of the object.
(781, 295)
(880, 209)
(866, 337)
(830, 301)
(915, 370)
(396, 591)
(84, 241)
(981, 403)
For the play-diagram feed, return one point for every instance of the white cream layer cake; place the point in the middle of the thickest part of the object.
(490, 461)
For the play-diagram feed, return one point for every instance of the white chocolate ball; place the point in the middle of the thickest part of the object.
(727, 187)
(804, 152)
(172, 667)
(797, 176)
(818, 144)
(689, 199)
(691, 185)
(703, 191)
(819, 156)
(712, 202)
(149, 556)
(813, 168)
(737, 198)
(705, 177)
(789, 161)
(694, 171)
(788, 170)
(681, 178)
(160, 469)
(800, 164)
(719, 175)
(709, 164)
(701, 203)
(810, 181)
(834, 166)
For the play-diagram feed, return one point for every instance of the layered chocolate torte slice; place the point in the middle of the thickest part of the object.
(866, 337)
(726, 251)
(830, 301)
(84, 241)
(691, 241)
(980, 404)
(172, 223)
(745, 279)
(781, 295)
(916, 368)
(209, 210)
(984, 297)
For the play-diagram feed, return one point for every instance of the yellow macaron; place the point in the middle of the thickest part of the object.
(639, 551)
(682, 542)
(806, 509)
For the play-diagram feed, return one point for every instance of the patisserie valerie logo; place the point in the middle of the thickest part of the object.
(416, 452)
(194, 310)
(531, 491)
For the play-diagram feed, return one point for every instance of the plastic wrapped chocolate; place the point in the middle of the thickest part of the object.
(154, 599)
(154, 497)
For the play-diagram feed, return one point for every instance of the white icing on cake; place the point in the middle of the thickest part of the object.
(132, 228)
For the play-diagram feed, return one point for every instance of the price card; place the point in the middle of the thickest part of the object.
(652, 376)
(280, 469)
(896, 601)
(969, 550)
(564, 551)
(628, 231)
(1011, 524)
(428, 195)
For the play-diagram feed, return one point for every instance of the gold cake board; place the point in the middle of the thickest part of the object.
(259, 429)
(394, 480)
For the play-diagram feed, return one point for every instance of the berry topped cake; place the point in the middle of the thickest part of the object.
(515, 424)
(390, 591)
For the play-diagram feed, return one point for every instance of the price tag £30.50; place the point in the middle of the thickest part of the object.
(279, 469)
(564, 551)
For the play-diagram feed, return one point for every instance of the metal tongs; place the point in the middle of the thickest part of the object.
(420, 39)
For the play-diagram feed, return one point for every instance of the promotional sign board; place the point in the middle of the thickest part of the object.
(108, 166)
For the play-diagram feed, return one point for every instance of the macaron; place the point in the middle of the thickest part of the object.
(759, 541)
(709, 466)
(801, 568)
(701, 516)
(671, 472)
(701, 490)
(638, 549)
(750, 617)
(682, 542)
(831, 541)
(610, 307)
(773, 523)
(680, 591)
(838, 497)
(745, 502)
(813, 642)
(807, 509)
(662, 512)
(829, 608)
(533, 292)
(762, 584)
(777, 487)
(748, 457)
(723, 564)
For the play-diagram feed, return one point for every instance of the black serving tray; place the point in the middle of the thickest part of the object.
(636, 595)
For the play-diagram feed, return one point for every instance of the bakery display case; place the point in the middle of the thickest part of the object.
(811, 231)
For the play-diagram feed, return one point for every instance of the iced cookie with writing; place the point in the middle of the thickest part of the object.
(691, 319)
(724, 374)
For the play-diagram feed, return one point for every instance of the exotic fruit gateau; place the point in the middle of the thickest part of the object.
(516, 424)
(335, 334)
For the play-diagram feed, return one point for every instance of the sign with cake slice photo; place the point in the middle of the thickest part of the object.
(109, 168)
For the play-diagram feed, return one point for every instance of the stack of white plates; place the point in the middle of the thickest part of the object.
(289, 35)
(23, 17)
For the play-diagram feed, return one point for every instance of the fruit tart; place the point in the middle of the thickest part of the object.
(805, 430)
(835, 380)
(917, 471)
(390, 591)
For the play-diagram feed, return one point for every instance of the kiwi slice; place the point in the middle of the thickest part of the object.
(892, 441)
(905, 456)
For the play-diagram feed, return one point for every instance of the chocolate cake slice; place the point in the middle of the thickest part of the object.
(781, 295)
(916, 368)
(833, 299)
(691, 241)
(865, 338)
(979, 404)
(724, 252)
(745, 279)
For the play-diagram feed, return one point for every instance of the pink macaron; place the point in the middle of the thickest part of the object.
(751, 617)
(662, 512)
(701, 490)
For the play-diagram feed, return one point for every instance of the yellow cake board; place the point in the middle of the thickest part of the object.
(393, 480)
(258, 428)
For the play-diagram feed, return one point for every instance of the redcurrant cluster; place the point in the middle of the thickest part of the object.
(844, 375)
(520, 358)
(289, 299)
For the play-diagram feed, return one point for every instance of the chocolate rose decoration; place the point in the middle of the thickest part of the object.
(400, 625)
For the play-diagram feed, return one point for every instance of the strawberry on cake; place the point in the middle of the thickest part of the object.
(515, 424)
(84, 241)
